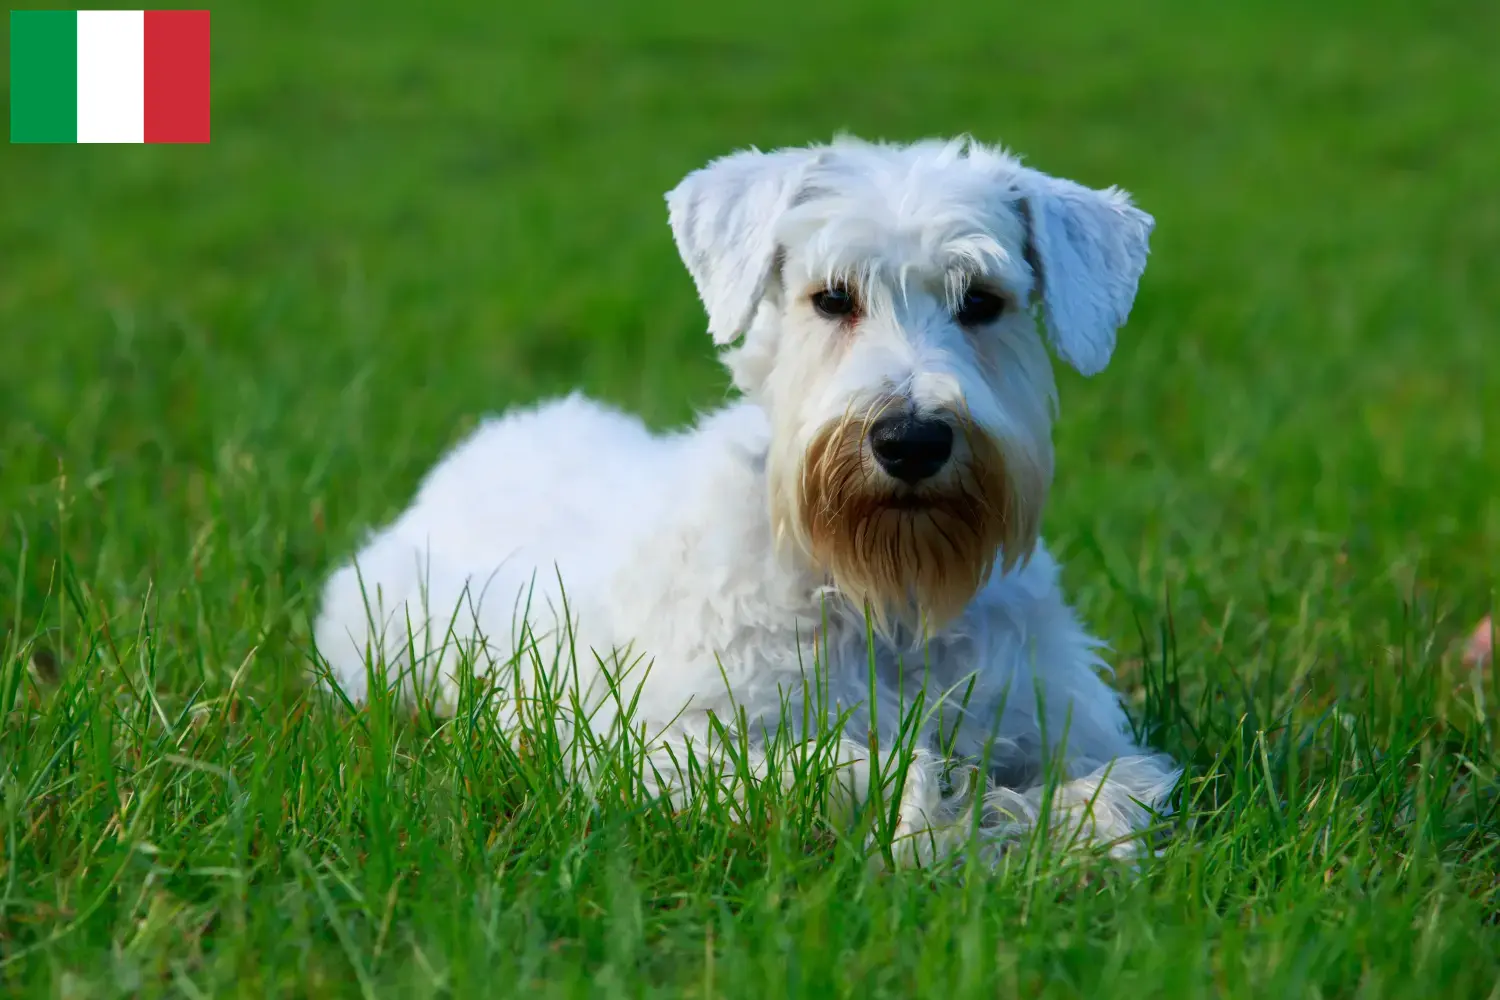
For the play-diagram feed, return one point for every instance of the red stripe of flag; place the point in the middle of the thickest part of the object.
(177, 76)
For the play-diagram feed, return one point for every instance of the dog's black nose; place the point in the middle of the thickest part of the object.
(911, 449)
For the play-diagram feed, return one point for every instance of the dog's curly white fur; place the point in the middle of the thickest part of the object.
(887, 464)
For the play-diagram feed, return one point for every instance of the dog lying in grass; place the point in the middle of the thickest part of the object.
(851, 546)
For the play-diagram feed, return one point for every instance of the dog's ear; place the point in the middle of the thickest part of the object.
(1088, 249)
(724, 220)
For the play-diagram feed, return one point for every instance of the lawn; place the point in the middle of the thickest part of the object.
(220, 364)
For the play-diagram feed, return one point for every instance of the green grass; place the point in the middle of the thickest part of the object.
(219, 364)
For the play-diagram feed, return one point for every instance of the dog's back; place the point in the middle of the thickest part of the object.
(537, 507)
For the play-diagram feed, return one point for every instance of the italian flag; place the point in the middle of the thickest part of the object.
(109, 76)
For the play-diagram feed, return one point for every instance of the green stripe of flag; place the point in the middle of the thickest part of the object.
(43, 76)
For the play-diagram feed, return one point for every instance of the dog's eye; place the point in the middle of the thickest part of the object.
(979, 307)
(834, 303)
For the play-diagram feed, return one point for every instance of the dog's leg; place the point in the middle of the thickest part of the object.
(1076, 773)
(928, 826)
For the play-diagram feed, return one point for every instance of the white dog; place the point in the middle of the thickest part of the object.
(887, 466)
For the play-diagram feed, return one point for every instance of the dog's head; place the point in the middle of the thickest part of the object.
(885, 299)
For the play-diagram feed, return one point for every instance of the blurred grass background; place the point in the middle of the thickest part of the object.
(219, 364)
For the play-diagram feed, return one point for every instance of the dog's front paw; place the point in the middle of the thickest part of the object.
(931, 827)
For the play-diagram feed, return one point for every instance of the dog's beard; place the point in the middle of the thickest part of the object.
(916, 555)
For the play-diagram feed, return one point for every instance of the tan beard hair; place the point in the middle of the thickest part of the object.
(922, 558)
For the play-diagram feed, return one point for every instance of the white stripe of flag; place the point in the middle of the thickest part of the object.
(111, 76)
